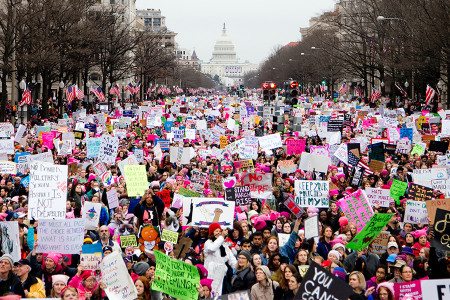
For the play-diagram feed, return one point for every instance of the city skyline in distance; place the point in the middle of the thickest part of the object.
(255, 27)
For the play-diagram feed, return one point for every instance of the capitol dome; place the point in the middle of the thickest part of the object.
(224, 51)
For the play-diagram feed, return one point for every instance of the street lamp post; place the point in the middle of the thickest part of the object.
(60, 100)
(22, 86)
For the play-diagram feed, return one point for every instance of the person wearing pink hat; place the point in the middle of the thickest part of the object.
(205, 290)
(421, 239)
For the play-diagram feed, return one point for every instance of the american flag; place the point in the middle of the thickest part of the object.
(359, 91)
(136, 88)
(429, 94)
(26, 97)
(130, 88)
(98, 92)
(401, 90)
(376, 94)
(78, 92)
(322, 88)
(366, 167)
(344, 88)
(115, 90)
(71, 93)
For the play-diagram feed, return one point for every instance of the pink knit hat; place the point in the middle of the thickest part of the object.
(54, 256)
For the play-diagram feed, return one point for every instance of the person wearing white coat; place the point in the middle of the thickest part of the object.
(216, 254)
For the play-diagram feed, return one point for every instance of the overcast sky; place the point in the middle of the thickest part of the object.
(256, 27)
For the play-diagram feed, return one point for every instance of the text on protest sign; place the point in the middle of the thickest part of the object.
(212, 210)
(377, 196)
(356, 208)
(136, 180)
(119, 285)
(48, 191)
(108, 149)
(295, 146)
(239, 194)
(370, 231)
(416, 212)
(270, 141)
(412, 288)
(260, 184)
(312, 193)
(61, 236)
(418, 192)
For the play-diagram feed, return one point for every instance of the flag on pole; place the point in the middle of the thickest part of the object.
(26, 97)
(115, 90)
(429, 95)
(78, 92)
(401, 90)
(136, 88)
(129, 88)
(376, 94)
(343, 88)
(71, 93)
(359, 91)
(98, 92)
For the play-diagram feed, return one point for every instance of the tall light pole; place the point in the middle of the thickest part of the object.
(22, 86)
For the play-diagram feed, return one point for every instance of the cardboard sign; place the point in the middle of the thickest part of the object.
(379, 244)
(119, 284)
(136, 180)
(377, 196)
(319, 283)
(48, 191)
(60, 236)
(311, 227)
(239, 194)
(212, 210)
(416, 212)
(356, 208)
(260, 184)
(175, 278)
(441, 231)
(108, 149)
(432, 205)
(372, 229)
(376, 165)
(215, 183)
(312, 193)
(169, 236)
(418, 192)
(412, 288)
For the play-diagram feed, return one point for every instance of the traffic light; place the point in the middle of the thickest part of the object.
(266, 91)
(273, 91)
(291, 93)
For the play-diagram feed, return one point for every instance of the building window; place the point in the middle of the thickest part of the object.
(112, 1)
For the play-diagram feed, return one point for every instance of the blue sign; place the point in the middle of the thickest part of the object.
(168, 125)
(21, 157)
(406, 132)
(128, 113)
(25, 181)
(164, 144)
(91, 127)
(335, 95)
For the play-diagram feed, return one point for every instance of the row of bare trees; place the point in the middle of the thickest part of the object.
(66, 40)
(369, 41)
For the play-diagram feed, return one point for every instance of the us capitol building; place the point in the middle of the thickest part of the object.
(225, 64)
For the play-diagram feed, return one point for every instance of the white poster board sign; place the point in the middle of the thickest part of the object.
(61, 236)
(10, 239)
(377, 196)
(212, 210)
(91, 215)
(108, 149)
(119, 285)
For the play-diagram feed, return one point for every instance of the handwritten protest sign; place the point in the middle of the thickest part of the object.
(165, 197)
(7, 146)
(128, 241)
(108, 149)
(441, 233)
(295, 146)
(8, 167)
(93, 147)
(412, 288)
(175, 278)
(312, 193)
(270, 141)
(418, 192)
(91, 214)
(198, 180)
(19, 133)
(48, 191)
(215, 183)
(377, 196)
(287, 166)
(91, 256)
(398, 189)
(113, 198)
(136, 180)
(60, 236)
(370, 231)
(169, 236)
(312, 227)
(119, 285)
(432, 205)
(260, 184)
(416, 212)
(244, 164)
(356, 208)
(319, 283)
(212, 210)
(379, 244)
(239, 194)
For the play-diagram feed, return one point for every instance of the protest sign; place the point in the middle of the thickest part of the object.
(48, 191)
(377, 196)
(175, 278)
(287, 166)
(370, 231)
(239, 194)
(418, 149)
(295, 146)
(165, 197)
(319, 283)
(270, 141)
(293, 206)
(8, 167)
(398, 189)
(128, 241)
(438, 289)
(379, 244)
(416, 212)
(136, 180)
(187, 193)
(314, 162)
(260, 184)
(212, 210)
(249, 149)
(342, 153)
(311, 227)
(441, 232)
(418, 192)
(60, 236)
(93, 147)
(108, 149)
(283, 238)
(320, 150)
(119, 285)
(7, 146)
(198, 180)
(302, 269)
(244, 165)
(356, 208)
(312, 193)
(169, 236)
(91, 256)
(215, 183)
(113, 198)
(99, 168)
(412, 288)
(376, 165)
(432, 205)
(10, 241)
(129, 161)
(91, 214)
(19, 133)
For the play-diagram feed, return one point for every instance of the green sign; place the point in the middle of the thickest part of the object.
(188, 193)
(398, 189)
(418, 149)
(128, 240)
(136, 180)
(372, 229)
(138, 131)
(169, 236)
(175, 278)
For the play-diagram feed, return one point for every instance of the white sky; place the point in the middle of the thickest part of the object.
(256, 27)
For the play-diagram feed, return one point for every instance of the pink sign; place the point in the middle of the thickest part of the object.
(356, 208)
(295, 146)
(47, 139)
(412, 288)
